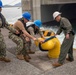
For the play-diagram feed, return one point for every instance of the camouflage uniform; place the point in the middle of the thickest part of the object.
(3, 23)
(21, 43)
(67, 45)
(33, 32)
(19, 39)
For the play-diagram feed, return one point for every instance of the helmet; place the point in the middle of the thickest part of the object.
(55, 14)
(1, 3)
(38, 23)
(27, 15)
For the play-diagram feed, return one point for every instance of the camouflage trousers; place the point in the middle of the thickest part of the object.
(22, 46)
(2, 46)
(29, 42)
(31, 45)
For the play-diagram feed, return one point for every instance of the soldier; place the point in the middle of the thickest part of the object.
(3, 24)
(67, 44)
(19, 39)
(33, 28)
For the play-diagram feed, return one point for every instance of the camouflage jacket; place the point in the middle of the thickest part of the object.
(4, 23)
(32, 31)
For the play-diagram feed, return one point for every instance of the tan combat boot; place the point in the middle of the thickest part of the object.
(56, 64)
(26, 58)
(5, 59)
(69, 60)
(20, 57)
(31, 52)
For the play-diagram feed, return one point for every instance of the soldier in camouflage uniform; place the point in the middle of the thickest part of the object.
(3, 24)
(67, 44)
(20, 25)
(33, 28)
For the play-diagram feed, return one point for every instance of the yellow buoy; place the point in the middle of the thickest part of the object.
(54, 53)
(48, 45)
(48, 33)
(52, 46)
(11, 24)
(37, 41)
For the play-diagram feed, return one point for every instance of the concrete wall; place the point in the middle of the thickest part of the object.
(32, 6)
(57, 1)
(43, 9)
(47, 11)
(69, 10)
(36, 9)
(26, 5)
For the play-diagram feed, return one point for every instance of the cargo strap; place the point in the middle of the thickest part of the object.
(49, 38)
(46, 41)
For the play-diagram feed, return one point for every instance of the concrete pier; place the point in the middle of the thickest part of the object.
(43, 9)
(40, 64)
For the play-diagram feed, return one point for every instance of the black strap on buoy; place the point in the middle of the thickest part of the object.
(41, 47)
(46, 41)
(49, 38)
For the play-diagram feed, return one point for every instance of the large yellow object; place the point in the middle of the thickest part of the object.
(52, 46)
(11, 24)
(48, 33)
